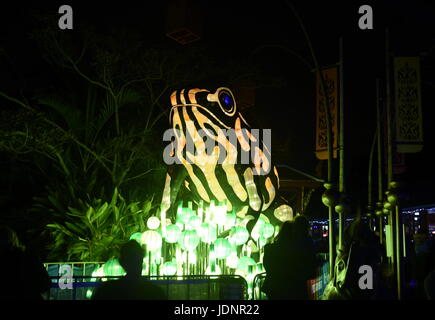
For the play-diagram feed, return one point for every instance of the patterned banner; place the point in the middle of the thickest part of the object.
(409, 127)
(330, 77)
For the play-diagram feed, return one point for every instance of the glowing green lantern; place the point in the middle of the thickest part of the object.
(172, 233)
(262, 241)
(232, 260)
(244, 263)
(98, 273)
(189, 240)
(207, 233)
(113, 268)
(194, 223)
(152, 239)
(220, 215)
(239, 235)
(266, 230)
(230, 219)
(192, 257)
(184, 215)
(169, 268)
(153, 223)
(255, 233)
(136, 236)
(222, 248)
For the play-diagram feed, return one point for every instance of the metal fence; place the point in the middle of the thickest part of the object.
(195, 287)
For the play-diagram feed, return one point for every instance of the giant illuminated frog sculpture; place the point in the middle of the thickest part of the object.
(218, 173)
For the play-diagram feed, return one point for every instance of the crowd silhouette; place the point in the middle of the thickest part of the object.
(291, 261)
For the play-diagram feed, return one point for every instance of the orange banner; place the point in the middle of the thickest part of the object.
(330, 77)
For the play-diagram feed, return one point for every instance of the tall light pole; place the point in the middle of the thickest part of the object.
(379, 212)
(329, 197)
(341, 176)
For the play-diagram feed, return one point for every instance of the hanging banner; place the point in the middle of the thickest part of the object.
(408, 119)
(330, 77)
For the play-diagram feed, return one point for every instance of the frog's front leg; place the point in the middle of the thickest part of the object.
(175, 177)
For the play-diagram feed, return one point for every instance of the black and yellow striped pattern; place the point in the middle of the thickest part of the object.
(208, 178)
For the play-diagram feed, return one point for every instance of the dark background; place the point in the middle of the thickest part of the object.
(237, 28)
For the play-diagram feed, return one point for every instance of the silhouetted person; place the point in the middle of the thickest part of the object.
(364, 249)
(23, 275)
(289, 262)
(132, 286)
(423, 262)
(429, 286)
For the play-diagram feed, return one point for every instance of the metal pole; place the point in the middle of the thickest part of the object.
(398, 258)
(389, 142)
(379, 136)
(388, 102)
(369, 191)
(331, 233)
(341, 187)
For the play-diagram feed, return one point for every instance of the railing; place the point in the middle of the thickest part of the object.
(195, 287)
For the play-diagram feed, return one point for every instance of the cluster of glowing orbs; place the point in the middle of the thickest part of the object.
(152, 239)
(222, 248)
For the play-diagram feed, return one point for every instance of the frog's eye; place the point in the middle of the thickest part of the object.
(226, 102)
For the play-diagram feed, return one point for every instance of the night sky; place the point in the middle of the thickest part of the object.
(235, 29)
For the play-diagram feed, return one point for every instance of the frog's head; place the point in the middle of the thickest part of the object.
(219, 105)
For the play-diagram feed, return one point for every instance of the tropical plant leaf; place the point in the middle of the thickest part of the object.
(102, 211)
